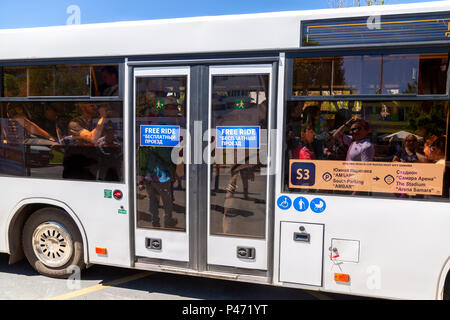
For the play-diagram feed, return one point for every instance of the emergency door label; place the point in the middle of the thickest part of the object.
(238, 137)
(160, 136)
(391, 177)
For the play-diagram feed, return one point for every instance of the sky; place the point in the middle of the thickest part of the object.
(41, 13)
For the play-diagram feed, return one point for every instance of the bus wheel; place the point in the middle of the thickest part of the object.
(52, 243)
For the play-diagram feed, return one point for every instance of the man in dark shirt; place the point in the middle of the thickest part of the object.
(80, 158)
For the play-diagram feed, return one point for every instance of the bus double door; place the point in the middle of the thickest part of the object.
(201, 173)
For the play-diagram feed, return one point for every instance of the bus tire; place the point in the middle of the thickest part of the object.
(52, 243)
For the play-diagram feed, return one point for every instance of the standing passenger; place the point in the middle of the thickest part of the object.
(359, 146)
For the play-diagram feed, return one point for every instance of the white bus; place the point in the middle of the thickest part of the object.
(302, 149)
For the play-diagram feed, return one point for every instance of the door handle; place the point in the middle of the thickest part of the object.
(302, 237)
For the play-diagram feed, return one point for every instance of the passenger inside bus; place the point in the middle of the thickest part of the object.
(110, 154)
(410, 132)
(305, 150)
(410, 151)
(19, 113)
(110, 79)
(80, 161)
(360, 148)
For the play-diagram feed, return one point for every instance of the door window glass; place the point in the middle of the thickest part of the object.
(238, 180)
(161, 170)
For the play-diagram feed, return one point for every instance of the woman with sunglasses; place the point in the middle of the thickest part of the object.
(359, 146)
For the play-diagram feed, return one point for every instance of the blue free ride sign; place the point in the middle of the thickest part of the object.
(247, 137)
(160, 136)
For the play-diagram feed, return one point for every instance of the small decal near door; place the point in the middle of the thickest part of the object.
(247, 137)
(160, 136)
(284, 202)
(301, 204)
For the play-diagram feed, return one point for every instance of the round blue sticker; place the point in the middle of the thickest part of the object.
(318, 205)
(301, 204)
(284, 202)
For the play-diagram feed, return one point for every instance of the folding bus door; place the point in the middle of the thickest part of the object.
(239, 100)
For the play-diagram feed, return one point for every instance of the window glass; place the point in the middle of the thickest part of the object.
(371, 74)
(14, 81)
(72, 80)
(356, 74)
(400, 74)
(161, 169)
(238, 177)
(62, 140)
(41, 81)
(61, 80)
(433, 74)
(312, 76)
(394, 148)
(105, 80)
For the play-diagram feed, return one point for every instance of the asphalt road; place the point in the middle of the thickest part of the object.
(21, 282)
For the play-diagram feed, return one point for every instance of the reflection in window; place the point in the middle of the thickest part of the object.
(371, 74)
(105, 80)
(237, 176)
(62, 140)
(356, 74)
(389, 131)
(312, 76)
(161, 171)
(14, 82)
(60, 80)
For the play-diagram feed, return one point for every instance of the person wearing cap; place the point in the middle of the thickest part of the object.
(359, 146)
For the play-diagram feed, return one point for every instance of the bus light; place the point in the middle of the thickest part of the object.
(100, 251)
(117, 194)
(341, 277)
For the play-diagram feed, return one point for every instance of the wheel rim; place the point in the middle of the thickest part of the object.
(52, 244)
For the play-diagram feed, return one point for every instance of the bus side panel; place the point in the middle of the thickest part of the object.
(103, 219)
(397, 247)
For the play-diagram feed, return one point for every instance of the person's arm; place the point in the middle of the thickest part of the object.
(93, 135)
(33, 128)
(422, 158)
(338, 134)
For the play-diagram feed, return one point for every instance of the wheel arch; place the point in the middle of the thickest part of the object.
(22, 211)
(443, 287)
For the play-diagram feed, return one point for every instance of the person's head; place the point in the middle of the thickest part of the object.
(50, 113)
(359, 130)
(411, 142)
(110, 75)
(88, 110)
(435, 148)
(308, 134)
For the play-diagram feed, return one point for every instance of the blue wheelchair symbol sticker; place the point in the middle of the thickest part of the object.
(318, 205)
(301, 204)
(284, 202)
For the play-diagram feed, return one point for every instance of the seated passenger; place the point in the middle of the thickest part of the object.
(110, 80)
(359, 146)
(435, 149)
(410, 151)
(305, 151)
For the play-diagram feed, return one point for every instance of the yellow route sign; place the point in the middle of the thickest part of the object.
(387, 177)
